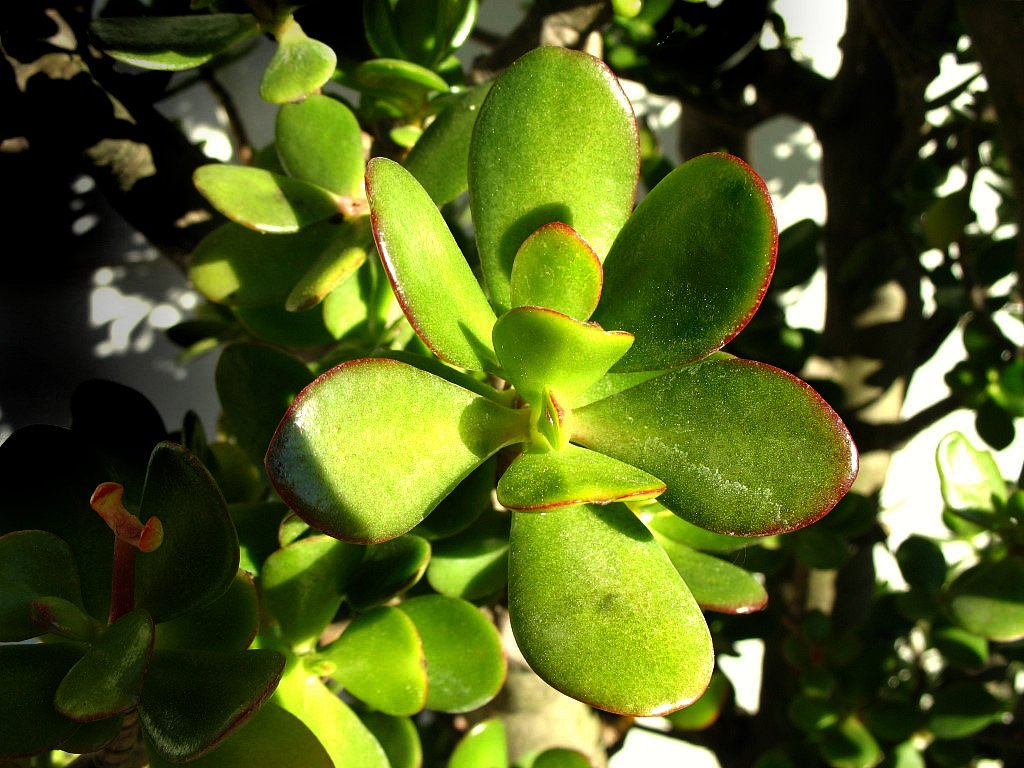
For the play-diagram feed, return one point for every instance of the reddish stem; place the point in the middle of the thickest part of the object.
(122, 586)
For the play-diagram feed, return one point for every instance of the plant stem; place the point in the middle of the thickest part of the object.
(122, 587)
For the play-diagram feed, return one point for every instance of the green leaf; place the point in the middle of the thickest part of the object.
(29, 724)
(406, 84)
(387, 570)
(820, 548)
(255, 385)
(379, 660)
(336, 263)
(431, 278)
(970, 479)
(371, 447)
(257, 525)
(33, 564)
(556, 269)
(716, 584)
(299, 66)
(474, 563)
(61, 617)
(229, 623)
(556, 140)
(171, 42)
(107, 680)
(93, 736)
(397, 735)
(988, 599)
(485, 744)
(850, 745)
(600, 613)
(744, 447)
(692, 263)
(193, 700)
(439, 159)
(272, 736)
(460, 508)
(465, 662)
(263, 200)
(547, 480)
(560, 757)
(540, 348)
(960, 648)
(666, 524)
(319, 140)
(963, 709)
(704, 712)
(198, 558)
(303, 584)
(278, 326)
(346, 739)
(921, 562)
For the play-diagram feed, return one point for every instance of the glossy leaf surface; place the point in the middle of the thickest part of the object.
(541, 348)
(472, 564)
(192, 700)
(171, 42)
(264, 200)
(743, 447)
(379, 660)
(199, 555)
(532, 162)
(570, 477)
(273, 736)
(988, 599)
(556, 269)
(229, 623)
(299, 66)
(600, 613)
(440, 157)
(303, 584)
(106, 681)
(29, 724)
(431, 278)
(388, 569)
(319, 140)
(485, 744)
(368, 449)
(716, 584)
(465, 663)
(33, 564)
(692, 263)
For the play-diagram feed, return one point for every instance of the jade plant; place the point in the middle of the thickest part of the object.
(588, 364)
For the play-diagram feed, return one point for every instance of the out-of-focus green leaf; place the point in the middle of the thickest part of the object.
(960, 647)
(171, 42)
(744, 447)
(590, 595)
(850, 745)
(962, 709)
(319, 140)
(485, 744)
(465, 663)
(192, 700)
(970, 478)
(379, 660)
(532, 161)
(988, 599)
(368, 449)
(397, 735)
(716, 584)
(560, 757)
(556, 269)
(433, 281)
(921, 562)
(229, 623)
(298, 68)
(472, 564)
(388, 569)
(691, 265)
(29, 724)
(33, 564)
(704, 712)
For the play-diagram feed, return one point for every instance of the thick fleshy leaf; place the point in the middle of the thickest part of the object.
(273, 736)
(668, 525)
(281, 327)
(439, 158)
(369, 448)
(970, 479)
(61, 617)
(561, 757)
(346, 739)
(192, 700)
(988, 599)
(319, 140)
(465, 663)
(33, 564)
(93, 736)
(106, 681)
(704, 711)
(229, 623)
(692, 263)
(460, 508)
(556, 140)
(397, 735)
(485, 744)
(379, 660)
(257, 524)
(303, 584)
(404, 84)
(715, 584)
(388, 569)
(600, 613)
(570, 477)
(472, 564)
(744, 447)
(199, 554)
(264, 200)
(346, 252)
(171, 42)
(431, 278)
(959, 647)
(556, 269)
(962, 710)
(29, 724)
(540, 348)
(850, 745)
(299, 66)
(255, 385)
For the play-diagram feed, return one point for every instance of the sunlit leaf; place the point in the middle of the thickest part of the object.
(319, 140)
(485, 744)
(716, 584)
(988, 599)
(336, 263)
(298, 68)
(704, 712)
(970, 479)
(556, 269)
